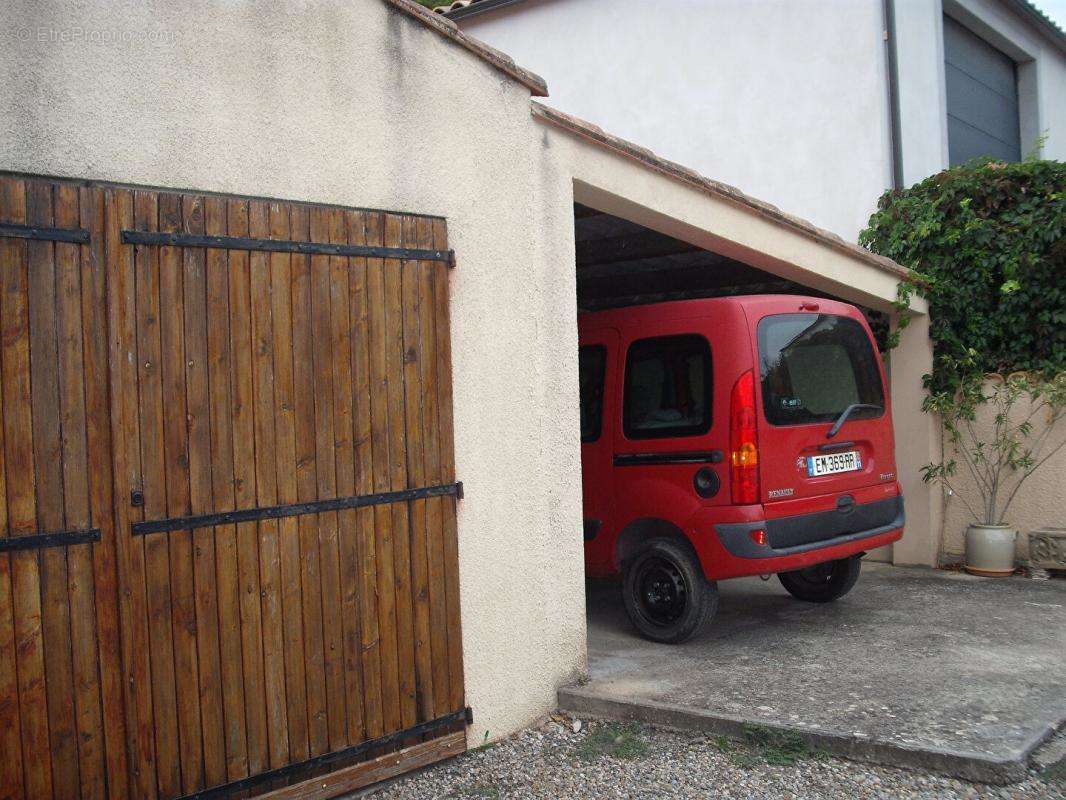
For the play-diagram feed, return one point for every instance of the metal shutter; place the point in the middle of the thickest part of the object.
(982, 98)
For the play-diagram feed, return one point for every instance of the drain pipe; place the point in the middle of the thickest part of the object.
(892, 62)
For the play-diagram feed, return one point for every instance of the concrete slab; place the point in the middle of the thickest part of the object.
(915, 667)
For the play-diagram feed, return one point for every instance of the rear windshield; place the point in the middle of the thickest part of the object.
(816, 365)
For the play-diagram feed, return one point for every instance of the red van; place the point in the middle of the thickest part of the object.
(728, 437)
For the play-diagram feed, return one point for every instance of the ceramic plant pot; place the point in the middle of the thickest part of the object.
(990, 550)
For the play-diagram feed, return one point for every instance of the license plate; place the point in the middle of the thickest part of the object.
(833, 463)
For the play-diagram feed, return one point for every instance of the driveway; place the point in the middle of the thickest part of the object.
(915, 667)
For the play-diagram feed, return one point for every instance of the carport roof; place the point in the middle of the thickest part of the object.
(671, 169)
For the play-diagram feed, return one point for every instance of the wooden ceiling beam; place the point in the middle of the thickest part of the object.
(629, 247)
(584, 212)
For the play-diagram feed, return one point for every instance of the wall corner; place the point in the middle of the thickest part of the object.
(916, 445)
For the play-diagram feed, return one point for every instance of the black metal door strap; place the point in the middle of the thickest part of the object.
(69, 235)
(57, 539)
(303, 770)
(295, 509)
(164, 239)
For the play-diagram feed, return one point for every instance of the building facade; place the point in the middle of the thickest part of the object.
(818, 106)
(374, 108)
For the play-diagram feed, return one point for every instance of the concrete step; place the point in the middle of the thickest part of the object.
(1051, 755)
(1001, 769)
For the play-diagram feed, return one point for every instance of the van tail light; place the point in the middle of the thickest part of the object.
(743, 442)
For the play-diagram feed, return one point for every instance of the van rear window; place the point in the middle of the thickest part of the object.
(814, 366)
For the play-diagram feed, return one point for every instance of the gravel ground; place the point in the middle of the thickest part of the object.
(627, 760)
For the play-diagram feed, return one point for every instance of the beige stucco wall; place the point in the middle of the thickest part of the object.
(350, 102)
(1038, 503)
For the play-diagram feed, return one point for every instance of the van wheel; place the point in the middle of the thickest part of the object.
(665, 593)
(823, 583)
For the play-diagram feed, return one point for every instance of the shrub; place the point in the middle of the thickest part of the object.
(1003, 450)
(984, 241)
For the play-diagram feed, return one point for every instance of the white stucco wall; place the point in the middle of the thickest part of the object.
(788, 101)
(922, 98)
(785, 100)
(349, 102)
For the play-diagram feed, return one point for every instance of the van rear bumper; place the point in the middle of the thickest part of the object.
(789, 536)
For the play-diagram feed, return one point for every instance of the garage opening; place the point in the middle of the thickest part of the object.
(624, 264)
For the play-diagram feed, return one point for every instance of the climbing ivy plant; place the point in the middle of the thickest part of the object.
(984, 243)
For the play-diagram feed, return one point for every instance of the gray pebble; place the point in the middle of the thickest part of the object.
(545, 762)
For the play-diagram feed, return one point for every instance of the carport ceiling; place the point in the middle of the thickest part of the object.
(621, 263)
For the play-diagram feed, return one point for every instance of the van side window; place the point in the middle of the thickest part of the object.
(667, 388)
(591, 366)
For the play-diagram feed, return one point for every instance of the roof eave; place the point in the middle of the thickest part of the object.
(445, 27)
(671, 169)
(1041, 21)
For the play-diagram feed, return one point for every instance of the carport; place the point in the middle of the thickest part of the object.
(647, 229)
(874, 677)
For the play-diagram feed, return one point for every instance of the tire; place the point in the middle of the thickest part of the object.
(665, 594)
(823, 583)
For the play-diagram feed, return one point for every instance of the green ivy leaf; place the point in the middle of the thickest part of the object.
(984, 241)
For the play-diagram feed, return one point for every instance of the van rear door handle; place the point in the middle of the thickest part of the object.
(825, 448)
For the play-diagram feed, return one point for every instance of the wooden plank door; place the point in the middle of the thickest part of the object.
(283, 436)
(62, 721)
(228, 557)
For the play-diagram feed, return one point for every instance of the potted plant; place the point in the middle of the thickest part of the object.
(1002, 430)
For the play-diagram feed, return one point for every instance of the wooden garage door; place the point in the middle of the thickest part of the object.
(243, 408)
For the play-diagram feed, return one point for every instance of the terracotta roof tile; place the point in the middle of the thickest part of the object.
(448, 29)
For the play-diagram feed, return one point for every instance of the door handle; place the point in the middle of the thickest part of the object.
(681, 457)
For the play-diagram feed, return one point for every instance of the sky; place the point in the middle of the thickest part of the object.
(1056, 9)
